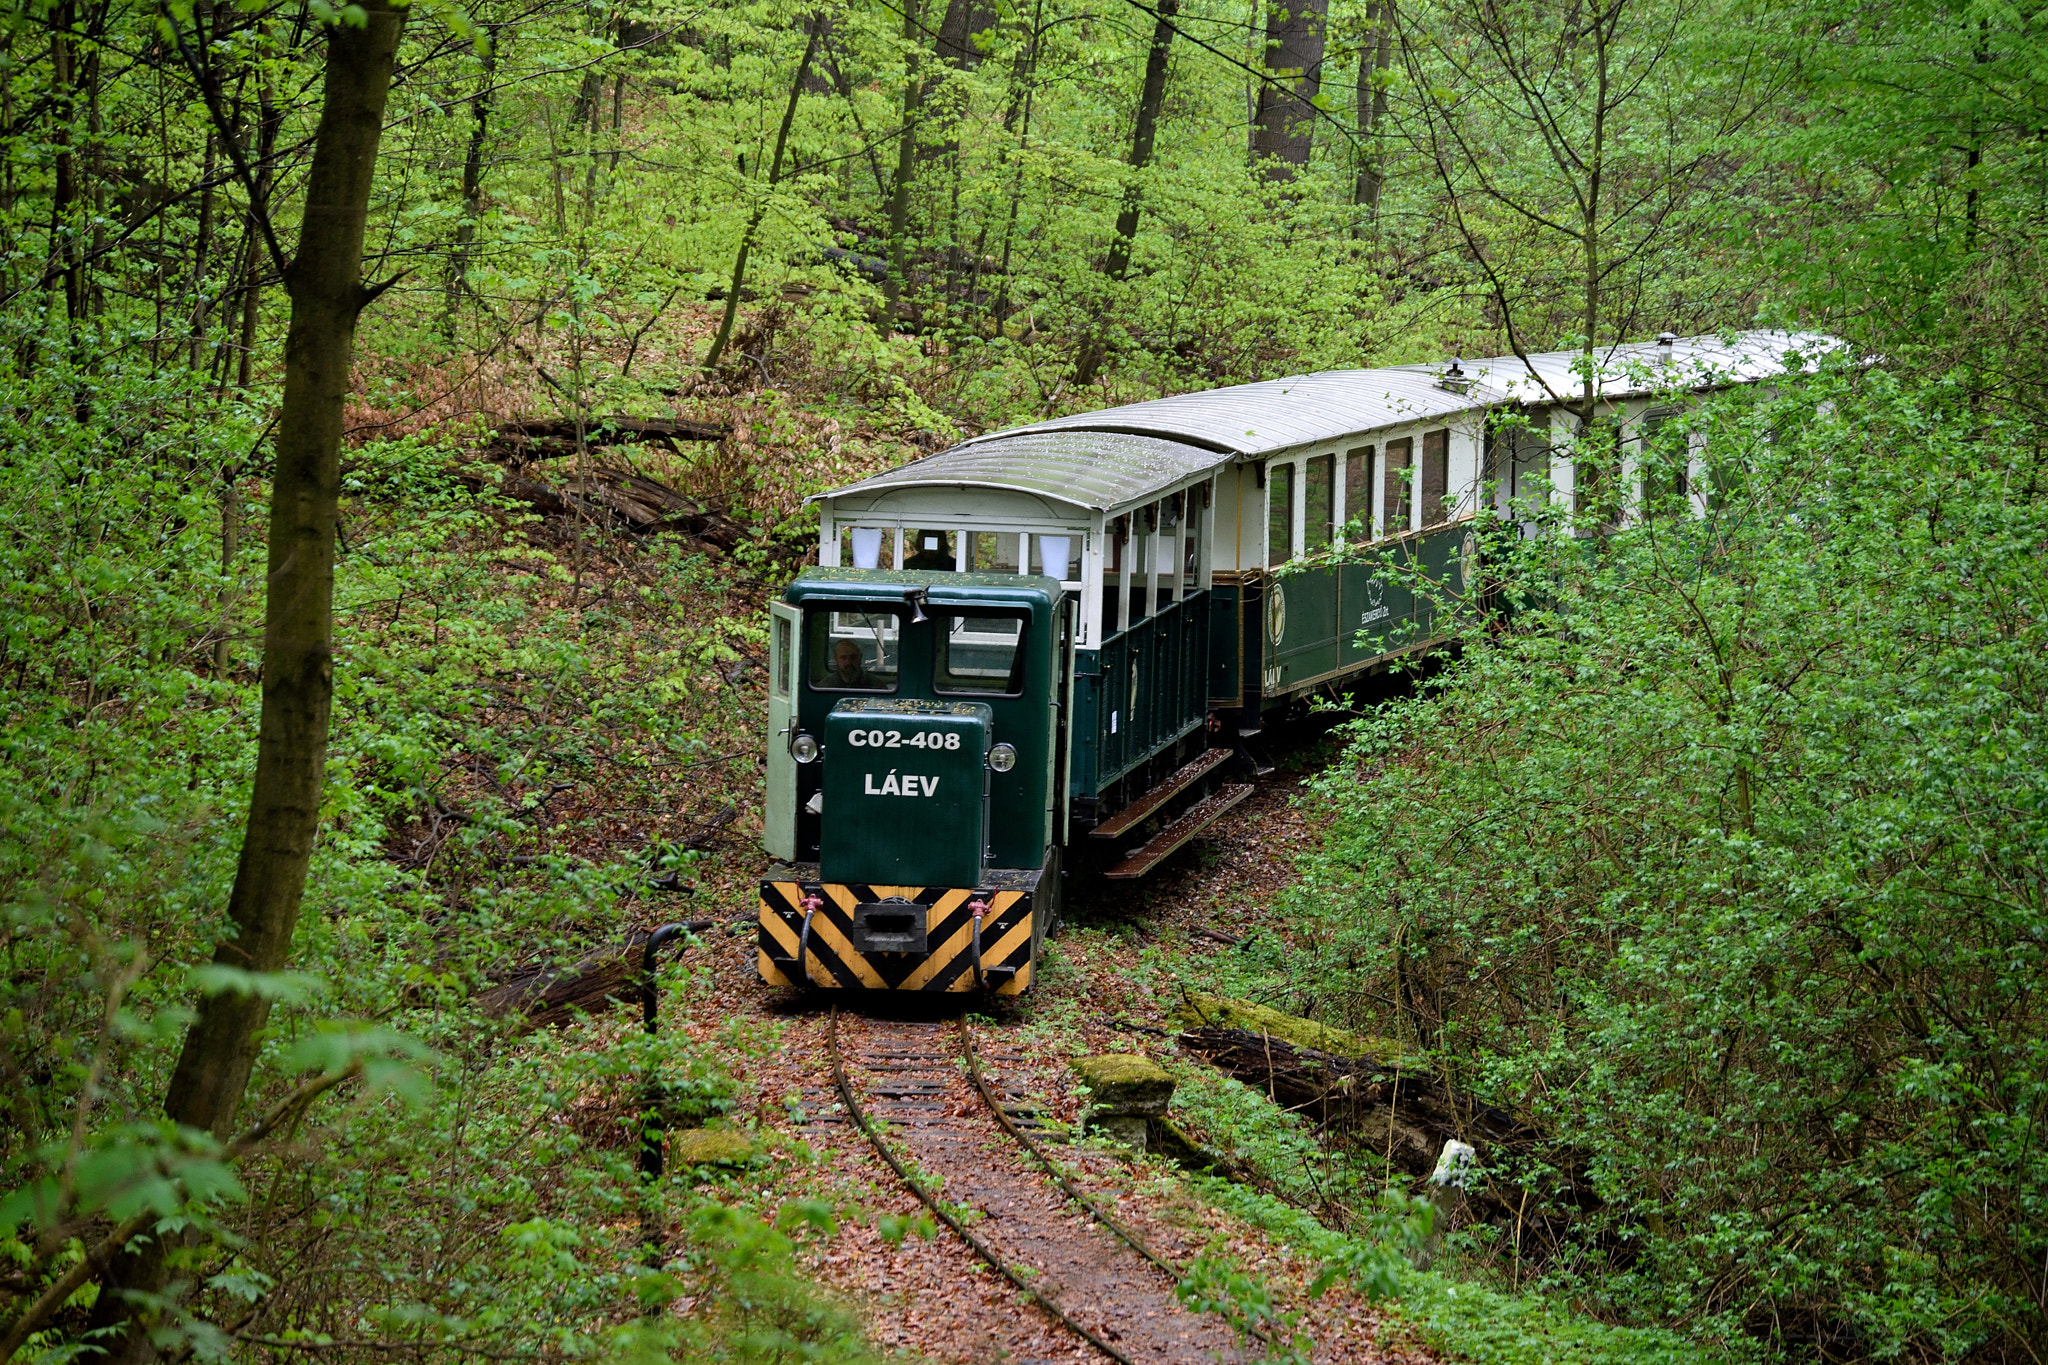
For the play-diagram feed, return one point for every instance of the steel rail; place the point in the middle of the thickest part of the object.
(946, 1216)
(1131, 1239)
(1030, 1144)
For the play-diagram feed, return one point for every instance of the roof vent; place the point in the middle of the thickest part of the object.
(1664, 340)
(1454, 379)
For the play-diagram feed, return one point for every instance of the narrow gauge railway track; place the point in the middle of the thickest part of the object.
(1118, 1296)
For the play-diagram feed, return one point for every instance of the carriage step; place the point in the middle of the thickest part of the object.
(1199, 817)
(1138, 810)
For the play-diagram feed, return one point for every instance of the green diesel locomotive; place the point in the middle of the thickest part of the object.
(1046, 646)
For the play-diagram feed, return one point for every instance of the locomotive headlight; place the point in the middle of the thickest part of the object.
(1003, 757)
(804, 749)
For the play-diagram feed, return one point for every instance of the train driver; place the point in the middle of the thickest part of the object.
(849, 669)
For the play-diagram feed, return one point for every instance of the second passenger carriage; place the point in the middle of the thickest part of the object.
(1047, 642)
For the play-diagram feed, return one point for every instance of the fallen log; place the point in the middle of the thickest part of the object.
(621, 498)
(1405, 1109)
(545, 996)
(554, 438)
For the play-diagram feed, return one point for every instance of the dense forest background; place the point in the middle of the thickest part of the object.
(793, 244)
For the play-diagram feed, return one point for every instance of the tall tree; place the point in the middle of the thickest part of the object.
(472, 187)
(324, 282)
(1375, 56)
(1151, 98)
(815, 28)
(906, 161)
(1283, 120)
(1569, 156)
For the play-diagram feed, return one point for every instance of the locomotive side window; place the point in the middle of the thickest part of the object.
(981, 655)
(867, 547)
(853, 651)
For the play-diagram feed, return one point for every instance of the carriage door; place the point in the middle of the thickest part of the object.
(783, 638)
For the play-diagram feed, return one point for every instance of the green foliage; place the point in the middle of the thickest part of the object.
(757, 1309)
(1213, 1285)
(1467, 1320)
(1724, 866)
(458, 1185)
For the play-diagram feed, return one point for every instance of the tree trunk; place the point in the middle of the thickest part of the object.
(1017, 118)
(202, 251)
(64, 191)
(472, 192)
(1283, 126)
(1151, 97)
(1375, 54)
(325, 285)
(906, 169)
(739, 264)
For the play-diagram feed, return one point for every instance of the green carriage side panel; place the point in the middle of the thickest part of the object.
(1085, 755)
(1380, 610)
(1150, 686)
(906, 792)
(1226, 645)
(1377, 604)
(1304, 608)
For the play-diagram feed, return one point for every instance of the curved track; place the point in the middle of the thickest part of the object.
(1115, 1293)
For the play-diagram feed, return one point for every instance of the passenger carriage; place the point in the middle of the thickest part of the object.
(1044, 646)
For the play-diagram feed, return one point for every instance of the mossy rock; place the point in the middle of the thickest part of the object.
(711, 1147)
(1168, 1139)
(1197, 1010)
(1124, 1083)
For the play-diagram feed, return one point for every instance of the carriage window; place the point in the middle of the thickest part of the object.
(1358, 489)
(867, 547)
(980, 654)
(1436, 475)
(853, 651)
(1319, 505)
(785, 653)
(1058, 556)
(1665, 486)
(1279, 513)
(928, 550)
(994, 552)
(1396, 508)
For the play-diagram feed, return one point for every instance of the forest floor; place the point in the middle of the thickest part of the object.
(1109, 985)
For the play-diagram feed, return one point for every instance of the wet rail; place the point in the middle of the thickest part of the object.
(913, 1085)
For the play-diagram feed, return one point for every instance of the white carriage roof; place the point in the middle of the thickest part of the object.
(1116, 457)
(1276, 414)
(1634, 369)
(1092, 469)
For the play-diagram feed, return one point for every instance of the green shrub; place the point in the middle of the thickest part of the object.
(1728, 864)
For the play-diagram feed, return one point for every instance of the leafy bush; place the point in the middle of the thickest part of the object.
(1727, 863)
(456, 1187)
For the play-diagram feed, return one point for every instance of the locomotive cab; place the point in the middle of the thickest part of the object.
(915, 756)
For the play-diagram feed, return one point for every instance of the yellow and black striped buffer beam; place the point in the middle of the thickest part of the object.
(836, 956)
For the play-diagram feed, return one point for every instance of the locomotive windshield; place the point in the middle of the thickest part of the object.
(856, 650)
(982, 655)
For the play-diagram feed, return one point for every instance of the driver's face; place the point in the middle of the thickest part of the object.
(846, 658)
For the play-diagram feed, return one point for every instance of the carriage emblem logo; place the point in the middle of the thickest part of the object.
(1276, 613)
(1374, 592)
